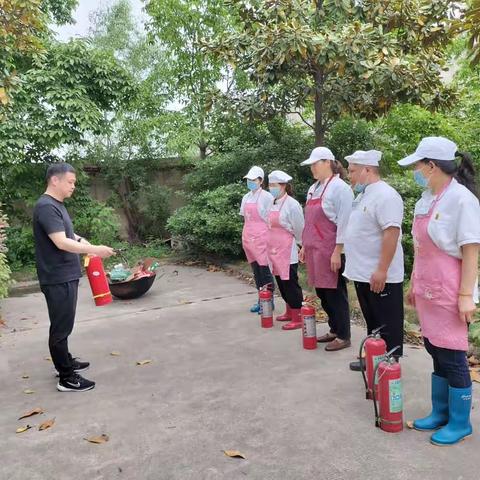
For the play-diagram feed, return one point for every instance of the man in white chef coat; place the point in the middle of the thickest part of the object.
(373, 249)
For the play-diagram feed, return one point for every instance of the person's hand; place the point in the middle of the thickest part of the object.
(377, 281)
(301, 255)
(410, 297)
(466, 307)
(336, 262)
(104, 252)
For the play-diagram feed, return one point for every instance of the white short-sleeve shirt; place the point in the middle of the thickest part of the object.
(336, 203)
(455, 219)
(291, 218)
(375, 210)
(265, 202)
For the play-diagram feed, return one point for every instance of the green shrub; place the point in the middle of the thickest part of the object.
(284, 148)
(410, 193)
(211, 223)
(96, 222)
(154, 208)
(21, 247)
(348, 135)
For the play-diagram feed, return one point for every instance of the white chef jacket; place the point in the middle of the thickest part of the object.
(291, 218)
(265, 201)
(455, 219)
(375, 210)
(336, 203)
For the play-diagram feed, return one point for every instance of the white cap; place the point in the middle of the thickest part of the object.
(371, 158)
(319, 153)
(254, 173)
(277, 176)
(435, 148)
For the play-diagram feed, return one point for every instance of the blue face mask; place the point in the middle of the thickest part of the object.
(420, 178)
(359, 187)
(275, 191)
(251, 185)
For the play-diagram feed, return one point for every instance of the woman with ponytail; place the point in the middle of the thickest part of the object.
(328, 208)
(443, 288)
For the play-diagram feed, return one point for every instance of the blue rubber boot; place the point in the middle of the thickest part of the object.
(255, 308)
(439, 415)
(458, 426)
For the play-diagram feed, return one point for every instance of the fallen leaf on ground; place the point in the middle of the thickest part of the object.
(409, 424)
(115, 354)
(475, 376)
(28, 391)
(23, 429)
(47, 424)
(48, 359)
(234, 454)
(35, 411)
(25, 376)
(3, 323)
(143, 362)
(100, 439)
(473, 361)
(416, 347)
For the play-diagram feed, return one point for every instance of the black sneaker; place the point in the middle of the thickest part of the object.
(75, 383)
(78, 366)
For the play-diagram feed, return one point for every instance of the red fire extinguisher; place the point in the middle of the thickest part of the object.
(389, 414)
(309, 327)
(98, 280)
(266, 307)
(375, 349)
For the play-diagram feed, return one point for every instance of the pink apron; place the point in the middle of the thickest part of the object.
(254, 234)
(280, 243)
(436, 284)
(319, 240)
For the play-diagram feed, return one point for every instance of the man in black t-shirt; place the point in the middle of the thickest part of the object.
(57, 250)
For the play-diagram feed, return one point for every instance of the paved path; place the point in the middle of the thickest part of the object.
(217, 381)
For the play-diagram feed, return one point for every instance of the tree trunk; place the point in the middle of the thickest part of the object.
(129, 214)
(319, 120)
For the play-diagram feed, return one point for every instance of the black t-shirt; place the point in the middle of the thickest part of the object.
(53, 265)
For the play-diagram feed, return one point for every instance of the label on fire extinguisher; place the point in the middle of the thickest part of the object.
(396, 397)
(376, 359)
(309, 326)
(266, 306)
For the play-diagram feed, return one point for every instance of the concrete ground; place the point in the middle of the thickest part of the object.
(217, 381)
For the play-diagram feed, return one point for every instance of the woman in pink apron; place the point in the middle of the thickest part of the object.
(255, 207)
(443, 289)
(286, 226)
(328, 207)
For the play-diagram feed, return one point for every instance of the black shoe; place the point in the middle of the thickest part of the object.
(356, 367)
(75, 383)
(78, 366)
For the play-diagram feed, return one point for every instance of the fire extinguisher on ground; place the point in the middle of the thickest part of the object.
(98, 280)
(266, 306)
(389, 413)
(309, 329)
(375, 349)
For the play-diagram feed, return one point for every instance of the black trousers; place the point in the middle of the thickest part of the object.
(385, 308)
(262, 275)
(290, 290)
(335, 304)
(62, 304)
(450, 364)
